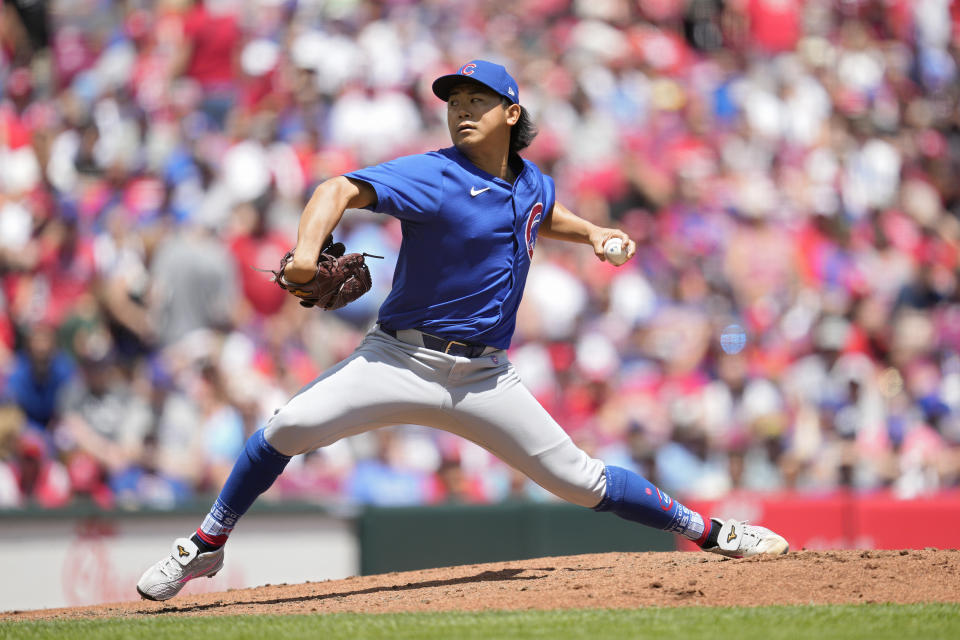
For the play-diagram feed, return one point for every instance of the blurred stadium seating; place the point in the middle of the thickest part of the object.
(788, 165)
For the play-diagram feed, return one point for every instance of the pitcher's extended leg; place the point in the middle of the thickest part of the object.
(381, 383)
(492, 408)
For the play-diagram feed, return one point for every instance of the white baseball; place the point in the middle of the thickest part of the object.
(615, 252)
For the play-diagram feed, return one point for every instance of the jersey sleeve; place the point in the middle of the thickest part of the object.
(409, 188)
(549, 194)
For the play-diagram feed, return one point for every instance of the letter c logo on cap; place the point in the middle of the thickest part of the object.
(468, 69)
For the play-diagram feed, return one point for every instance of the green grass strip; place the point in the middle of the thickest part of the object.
(873, 622)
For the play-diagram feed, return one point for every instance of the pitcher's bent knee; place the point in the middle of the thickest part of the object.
(287, 433)
(573, 475)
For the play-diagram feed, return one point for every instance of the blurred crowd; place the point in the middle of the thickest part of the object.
(787, 166)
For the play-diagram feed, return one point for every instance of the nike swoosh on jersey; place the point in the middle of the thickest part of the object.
(475, 192)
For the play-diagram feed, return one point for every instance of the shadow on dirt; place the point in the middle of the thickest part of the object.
(485, 576)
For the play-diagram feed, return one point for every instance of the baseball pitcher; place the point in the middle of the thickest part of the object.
(471, 216)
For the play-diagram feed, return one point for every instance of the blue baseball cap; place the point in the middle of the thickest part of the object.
(493, 76)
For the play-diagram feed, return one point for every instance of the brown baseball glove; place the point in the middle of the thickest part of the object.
(340, 279)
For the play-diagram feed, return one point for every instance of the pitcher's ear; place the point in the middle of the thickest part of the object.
(514, 111)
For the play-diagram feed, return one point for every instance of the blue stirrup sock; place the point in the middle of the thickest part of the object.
(257, 467)
(633, 497)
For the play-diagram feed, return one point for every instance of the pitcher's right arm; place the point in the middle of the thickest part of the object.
(320, 217)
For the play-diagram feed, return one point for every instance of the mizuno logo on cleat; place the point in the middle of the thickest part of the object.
(732, 535)
(183, 552)
(475, 192)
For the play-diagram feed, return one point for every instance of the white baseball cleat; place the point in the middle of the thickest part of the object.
(164, 580)
(741, 540)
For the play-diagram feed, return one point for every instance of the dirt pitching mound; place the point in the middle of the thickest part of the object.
(607, 580)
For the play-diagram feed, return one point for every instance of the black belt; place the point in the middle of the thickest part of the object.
(451, 347)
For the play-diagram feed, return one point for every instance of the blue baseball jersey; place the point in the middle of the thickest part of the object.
(468, 239)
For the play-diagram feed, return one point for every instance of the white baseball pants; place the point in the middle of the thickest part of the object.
(386, 382)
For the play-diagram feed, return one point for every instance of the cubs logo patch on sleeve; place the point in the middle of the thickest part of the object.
(533, 221)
